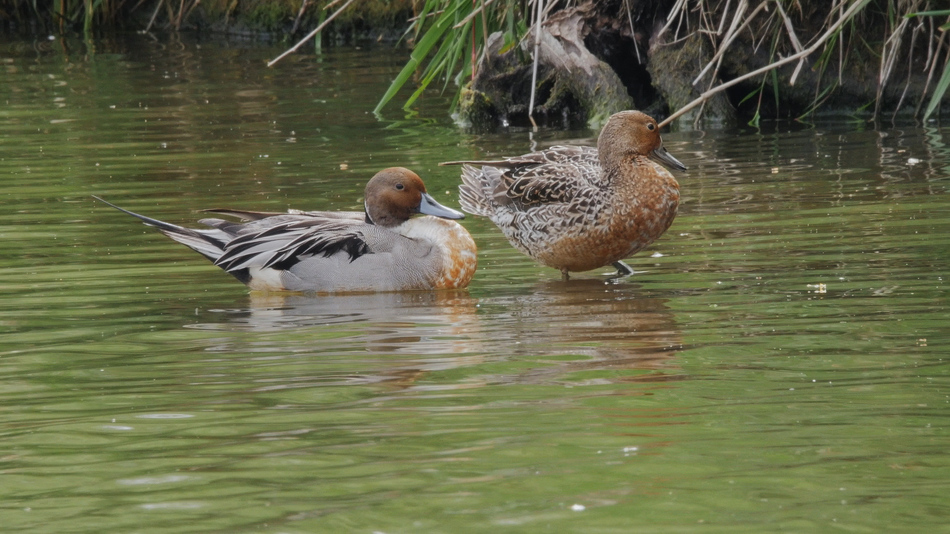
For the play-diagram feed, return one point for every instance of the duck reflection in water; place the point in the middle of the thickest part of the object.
(549, 333)
(601, 326)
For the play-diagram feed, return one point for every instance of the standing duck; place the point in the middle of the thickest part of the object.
(381, 249)
(579, 208)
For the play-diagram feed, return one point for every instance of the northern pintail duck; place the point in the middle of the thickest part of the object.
(578, 208)
(381, 249)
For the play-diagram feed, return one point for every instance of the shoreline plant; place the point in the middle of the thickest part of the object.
(905, 44)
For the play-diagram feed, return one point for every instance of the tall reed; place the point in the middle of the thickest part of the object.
(454, 33)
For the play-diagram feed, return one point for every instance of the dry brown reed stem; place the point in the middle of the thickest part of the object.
(184, 13)
(793, 38)
(175, 19)
(484, 41)
(480, 10)
(889, 53)
(910, 61)
(731, 34)
(680, 6)
(850, 12)
(473, 14)
(722, 21)
(841, 51)
(633, 36)
(303, 8)
(154, 14)
(735, 29)
(539, 10)
(300, 43)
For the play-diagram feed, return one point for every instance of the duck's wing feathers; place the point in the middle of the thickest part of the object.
(554, 154)
(528, 189)
(556, 175)
(246, 215)
(289, 239)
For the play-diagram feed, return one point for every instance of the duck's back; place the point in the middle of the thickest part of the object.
(538, 198)
(519, 184)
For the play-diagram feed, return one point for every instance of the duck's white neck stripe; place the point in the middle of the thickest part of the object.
(369, 219)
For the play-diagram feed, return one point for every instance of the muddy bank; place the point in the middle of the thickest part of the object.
(656, 57)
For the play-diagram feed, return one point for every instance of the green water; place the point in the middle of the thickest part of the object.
(779, 363)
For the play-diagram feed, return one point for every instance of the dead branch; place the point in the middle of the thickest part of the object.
(300, 43)
(850, 12)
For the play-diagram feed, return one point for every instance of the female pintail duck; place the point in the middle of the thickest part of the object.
(383, 249)
(579, 208)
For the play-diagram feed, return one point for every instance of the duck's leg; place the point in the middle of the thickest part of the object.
(622, 269)
(564, 275)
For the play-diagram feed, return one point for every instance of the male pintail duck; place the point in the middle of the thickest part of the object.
(383, 249)
(579, 208)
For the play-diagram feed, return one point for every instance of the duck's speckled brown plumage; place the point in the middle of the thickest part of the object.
(381, 249)
(579, 208)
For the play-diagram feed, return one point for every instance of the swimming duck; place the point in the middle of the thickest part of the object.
(578, 208)
(381, 249)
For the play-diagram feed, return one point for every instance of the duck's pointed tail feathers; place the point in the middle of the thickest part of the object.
(477, 191)
(208, 243)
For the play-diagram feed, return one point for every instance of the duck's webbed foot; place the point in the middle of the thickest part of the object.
(623, 270)
(565, 276)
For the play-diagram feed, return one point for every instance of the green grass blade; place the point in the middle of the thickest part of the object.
(752, 94)
(436, 66)
(937, 13)
(939, 91)
(431, 38)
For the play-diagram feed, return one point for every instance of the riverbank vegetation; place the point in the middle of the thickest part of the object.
(277, 19)
(699, 59)
(521, 61)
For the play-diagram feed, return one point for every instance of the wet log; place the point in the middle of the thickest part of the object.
(574, 87)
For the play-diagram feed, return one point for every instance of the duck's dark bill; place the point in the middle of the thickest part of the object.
(661, 156)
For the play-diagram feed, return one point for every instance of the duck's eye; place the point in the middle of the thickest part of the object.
(400, 187)
(651, 126)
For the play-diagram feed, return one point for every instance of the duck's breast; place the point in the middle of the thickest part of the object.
(644, 207)
(452, 249)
